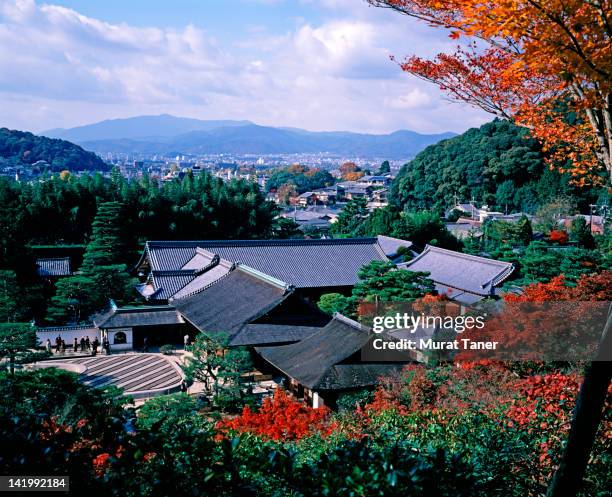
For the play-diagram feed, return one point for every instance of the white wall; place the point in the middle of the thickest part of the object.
(68, 336)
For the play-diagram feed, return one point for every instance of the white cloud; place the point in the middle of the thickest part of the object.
(61, 68)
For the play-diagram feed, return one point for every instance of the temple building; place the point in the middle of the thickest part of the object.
(464, 278)
(328, 363)
(313, 267)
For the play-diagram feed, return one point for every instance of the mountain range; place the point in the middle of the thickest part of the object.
(170, 135)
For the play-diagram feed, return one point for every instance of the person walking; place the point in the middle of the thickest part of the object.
(186, 341)
(95, 345)
(87, 343)
(75, 345)
(145, 343)
(48, 346)
(106, 345)
(82, 344)
(58, 343)
(63, 347)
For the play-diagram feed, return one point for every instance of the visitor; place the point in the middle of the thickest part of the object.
(87, 343)
(75, 345)
(48, 346)
(95, 345)
(183, 387)
(186, 341)
(63, 347)
(58, 343)
(106, 345)
(82, 344)
(145, 343)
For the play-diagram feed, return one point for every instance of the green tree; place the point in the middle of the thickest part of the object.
(382, 281)
(16, 340)
(9, 296)
(220, 369)
(287, 228)
(330, 303)
(385, 168)
(351, 220)
(105, 245)
(164, 412)
(580, 232)
(423, 228)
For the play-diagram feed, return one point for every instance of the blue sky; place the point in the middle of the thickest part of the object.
(314, 64)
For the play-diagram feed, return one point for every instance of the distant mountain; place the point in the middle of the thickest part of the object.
(141, 127)
(172, 135)
(20, 148)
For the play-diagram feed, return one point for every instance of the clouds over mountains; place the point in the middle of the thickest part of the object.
(61, 68)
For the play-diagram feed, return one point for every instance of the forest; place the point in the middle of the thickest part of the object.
(20, 148)
(498, 164)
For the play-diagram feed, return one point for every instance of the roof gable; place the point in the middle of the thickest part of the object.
(236, 299)
(471, 273)
(310, 360)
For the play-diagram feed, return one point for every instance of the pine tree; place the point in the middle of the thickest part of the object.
(105, 246)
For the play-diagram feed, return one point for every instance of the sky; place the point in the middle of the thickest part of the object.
(312, 64)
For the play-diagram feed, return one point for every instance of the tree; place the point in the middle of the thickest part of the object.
(423, 228)
(544, 59)
(385, 168)
(165, 411)
(280, 417)
(16, 340)
(350, 220)
(382, 281)
(287, 228)
(9, 296)
(580, 232)
(349, 171)
(220, 368)
(330, 303)
(105, 246)
(559, 237)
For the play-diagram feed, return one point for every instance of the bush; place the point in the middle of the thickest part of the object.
(167, 349)
(351, 400)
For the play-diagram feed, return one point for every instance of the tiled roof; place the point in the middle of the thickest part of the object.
(469, 273)
(59, 266)
(318, 361)
(264, 334)
(301, 263)
(127, 317)
(233, 301)
(391, 245)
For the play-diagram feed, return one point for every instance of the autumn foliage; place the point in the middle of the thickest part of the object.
(546, 64)
(558, 236)
(280, 417)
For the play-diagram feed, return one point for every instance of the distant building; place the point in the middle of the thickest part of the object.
(55, 267)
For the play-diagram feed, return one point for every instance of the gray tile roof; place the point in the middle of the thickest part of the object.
(301, 263)
(469, 273)
(235, 300)
(58, 266)
(264, 334)
(126, 317)
(319, 361)
(391, 245)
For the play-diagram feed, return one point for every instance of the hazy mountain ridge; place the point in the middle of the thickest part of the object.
(171, 135)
